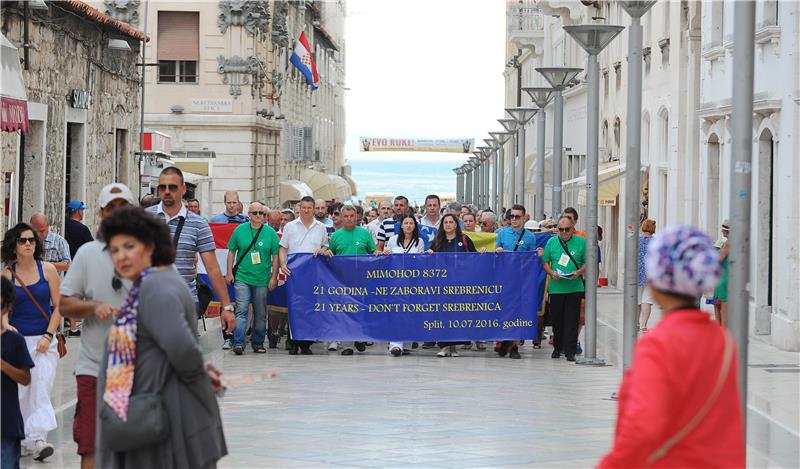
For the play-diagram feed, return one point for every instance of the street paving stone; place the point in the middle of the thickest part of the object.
(374, 410)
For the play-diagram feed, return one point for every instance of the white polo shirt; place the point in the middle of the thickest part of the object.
(297, 238)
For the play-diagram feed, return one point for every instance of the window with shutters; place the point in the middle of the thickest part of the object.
(178, 46)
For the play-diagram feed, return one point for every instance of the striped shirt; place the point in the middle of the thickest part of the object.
(387, 230)
(56, 248)
(195, 238)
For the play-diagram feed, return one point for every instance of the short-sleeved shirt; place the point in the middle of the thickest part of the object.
(387, 229)
(15, 352)
(560, 262)
(224, 218)
(90, 278)
(76, 234)
(196, 238)
(417, 246)
(374, 227)
(267, 245)
(297, 238)
(508, 239)
(56, 248)
(352, 242)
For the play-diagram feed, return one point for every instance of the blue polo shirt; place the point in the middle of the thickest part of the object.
(507, 238)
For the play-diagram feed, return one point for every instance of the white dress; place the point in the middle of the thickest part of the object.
(416, 247)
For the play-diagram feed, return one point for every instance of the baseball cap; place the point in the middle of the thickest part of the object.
(116, 191)
(75, 205)
(532, 225)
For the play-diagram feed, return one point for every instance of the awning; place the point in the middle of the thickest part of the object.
(197, 167)
(326, 186)
(13, 98)
(352, 183)
(294, 190)
(608, 184)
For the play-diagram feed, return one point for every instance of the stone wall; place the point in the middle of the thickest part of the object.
(69, 53)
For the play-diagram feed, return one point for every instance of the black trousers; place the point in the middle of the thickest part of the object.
(565, 313)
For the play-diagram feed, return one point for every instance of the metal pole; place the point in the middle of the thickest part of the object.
(500, 178)
(486, 185)
(512, 193)
(590, 276)
(141, 104)
(521, 167)
(476, 187)
(468, 195)
(740, 195)
(632, 188)
(558, 144)
(460, 187)
(540, 140)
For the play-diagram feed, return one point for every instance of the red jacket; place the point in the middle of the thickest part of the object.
(675, 370)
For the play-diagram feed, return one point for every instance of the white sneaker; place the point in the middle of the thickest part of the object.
(333, 346)
(227, 344)
(25, 451)
(42, 450)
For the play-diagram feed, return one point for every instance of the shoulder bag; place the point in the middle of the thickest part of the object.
(252, 243)
(519, 240)
(727, 359)
(147, 423)
(59, 336)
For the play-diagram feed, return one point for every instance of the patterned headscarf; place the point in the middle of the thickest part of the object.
(122, 352)
(682, 260)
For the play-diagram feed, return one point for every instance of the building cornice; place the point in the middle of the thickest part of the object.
(761, 106)
(211, 121)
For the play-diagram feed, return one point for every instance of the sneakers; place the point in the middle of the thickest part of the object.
(578, 349)
(333, 346)
(360, 346)
(396, 351)
(347, 352)
(238, 349)
(42, 450)
(514, 353)
(227, 344)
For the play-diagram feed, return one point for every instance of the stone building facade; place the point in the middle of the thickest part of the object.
(83, 107)
(687, 83)
(225, 91)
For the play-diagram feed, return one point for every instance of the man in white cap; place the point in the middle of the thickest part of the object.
(93, 292)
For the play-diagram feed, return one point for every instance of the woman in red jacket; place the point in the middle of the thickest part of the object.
(679, 404)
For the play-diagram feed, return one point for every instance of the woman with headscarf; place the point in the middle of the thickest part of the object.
(152, 355)
(678, 407)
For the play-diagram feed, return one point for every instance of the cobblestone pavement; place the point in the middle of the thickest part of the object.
(478, 410)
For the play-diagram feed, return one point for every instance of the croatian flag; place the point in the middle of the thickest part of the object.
(302, 59)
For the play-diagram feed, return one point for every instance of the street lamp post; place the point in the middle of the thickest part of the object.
(633, 158)
(593, 38)
(459, 185)
(491, 181)
(478, 180)
(559, 78)
(511, 126)
(468, 183)
(541, 97)
(522, 115)
(501, 138)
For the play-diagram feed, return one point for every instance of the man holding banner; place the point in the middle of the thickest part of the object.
(514, 238)
(303, 235)
(352, 240)
(389, 226)
(252, 270)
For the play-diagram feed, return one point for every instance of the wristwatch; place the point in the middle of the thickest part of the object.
(228, 308)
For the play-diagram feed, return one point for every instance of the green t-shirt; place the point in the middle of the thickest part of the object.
(560, 262)
(352, 243)
(266, 246)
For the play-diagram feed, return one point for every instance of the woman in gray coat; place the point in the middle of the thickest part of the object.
(152, 341)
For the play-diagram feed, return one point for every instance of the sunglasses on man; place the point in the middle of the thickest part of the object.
(564, 230)
(514, 217)
(170, 187)
(258, 213)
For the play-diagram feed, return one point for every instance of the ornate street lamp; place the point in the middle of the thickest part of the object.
(522, 115)
(559, 78)
(541, 97)
(593, 38)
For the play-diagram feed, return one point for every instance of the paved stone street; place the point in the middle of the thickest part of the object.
(478, 410)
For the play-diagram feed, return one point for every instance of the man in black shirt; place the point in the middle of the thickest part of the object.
(75, 232)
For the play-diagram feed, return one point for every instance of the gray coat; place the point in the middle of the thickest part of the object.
(170, 361)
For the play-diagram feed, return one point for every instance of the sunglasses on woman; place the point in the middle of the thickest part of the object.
(21, 241)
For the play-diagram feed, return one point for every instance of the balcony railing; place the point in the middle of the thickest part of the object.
(526, 24)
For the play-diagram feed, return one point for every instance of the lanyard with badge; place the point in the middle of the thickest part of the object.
(255, 256)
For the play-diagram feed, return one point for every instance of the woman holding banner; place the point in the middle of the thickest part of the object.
(407, 241)
(449, 238)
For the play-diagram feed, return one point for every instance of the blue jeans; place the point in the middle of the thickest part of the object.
(10, 452)
(245, 296)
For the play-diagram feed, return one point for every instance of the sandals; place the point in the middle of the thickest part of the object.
(259, 350)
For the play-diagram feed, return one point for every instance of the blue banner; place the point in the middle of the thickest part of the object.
(415, 297)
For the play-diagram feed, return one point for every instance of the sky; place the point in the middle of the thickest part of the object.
(423, 69)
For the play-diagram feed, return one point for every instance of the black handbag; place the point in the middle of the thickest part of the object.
(147, 424)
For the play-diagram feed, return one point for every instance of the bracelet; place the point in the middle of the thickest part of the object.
(48, 333)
